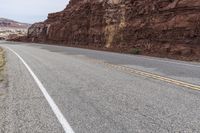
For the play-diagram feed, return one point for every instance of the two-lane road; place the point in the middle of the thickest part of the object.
(95, 93)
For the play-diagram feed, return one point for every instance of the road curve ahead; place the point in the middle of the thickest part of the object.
(55, 89)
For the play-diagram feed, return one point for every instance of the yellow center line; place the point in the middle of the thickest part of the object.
(145, 74)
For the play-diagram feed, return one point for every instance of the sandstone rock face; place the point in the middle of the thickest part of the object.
(158, 27)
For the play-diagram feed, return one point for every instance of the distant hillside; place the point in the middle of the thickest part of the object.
(7, 23)
(10, 29)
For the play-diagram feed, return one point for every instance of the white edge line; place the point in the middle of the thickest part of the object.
(67, 128)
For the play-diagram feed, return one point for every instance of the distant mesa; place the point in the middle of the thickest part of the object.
(7, 23)
(10, 29)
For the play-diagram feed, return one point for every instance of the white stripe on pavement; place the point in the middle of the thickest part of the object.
(67, 128)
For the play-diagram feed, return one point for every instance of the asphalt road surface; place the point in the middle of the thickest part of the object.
(47, 88)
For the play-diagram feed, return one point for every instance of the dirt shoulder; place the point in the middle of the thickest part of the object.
(2, 62)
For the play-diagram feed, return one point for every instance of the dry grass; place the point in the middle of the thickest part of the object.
(2, 63)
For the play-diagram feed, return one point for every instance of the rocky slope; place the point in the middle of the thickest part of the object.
(168, 28)
(10, 29)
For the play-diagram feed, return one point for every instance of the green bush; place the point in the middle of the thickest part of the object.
(135, 51)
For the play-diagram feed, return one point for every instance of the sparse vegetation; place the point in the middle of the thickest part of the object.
(2, 63)
(136, 51)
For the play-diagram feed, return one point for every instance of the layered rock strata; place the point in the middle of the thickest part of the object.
(169, 28)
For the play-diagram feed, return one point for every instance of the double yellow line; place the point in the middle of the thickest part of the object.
(154, 76)
(144, 73)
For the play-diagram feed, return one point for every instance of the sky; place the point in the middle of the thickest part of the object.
(30, 11)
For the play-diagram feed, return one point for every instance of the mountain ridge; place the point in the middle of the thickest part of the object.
(9, 23)
(10, 29)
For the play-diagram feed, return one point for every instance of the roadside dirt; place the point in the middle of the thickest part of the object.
(2, 63)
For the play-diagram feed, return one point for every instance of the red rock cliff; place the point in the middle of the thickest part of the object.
(160, 27)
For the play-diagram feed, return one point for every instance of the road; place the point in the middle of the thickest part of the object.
(97, 92)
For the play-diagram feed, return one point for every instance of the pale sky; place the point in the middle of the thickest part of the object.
(30, 11)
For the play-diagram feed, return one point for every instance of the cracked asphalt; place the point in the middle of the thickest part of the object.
(95, 98)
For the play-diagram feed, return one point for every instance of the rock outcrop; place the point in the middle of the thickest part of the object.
(2, 38)
(169, 28)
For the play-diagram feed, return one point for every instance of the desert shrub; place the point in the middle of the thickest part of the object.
(135, 51)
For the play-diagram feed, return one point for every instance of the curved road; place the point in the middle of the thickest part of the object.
(96, 93)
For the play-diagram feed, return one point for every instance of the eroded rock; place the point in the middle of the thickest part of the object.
(124, 24)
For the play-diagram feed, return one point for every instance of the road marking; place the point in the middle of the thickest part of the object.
(154, 76)
(67, 128)
(142, 73)
(192, 64)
